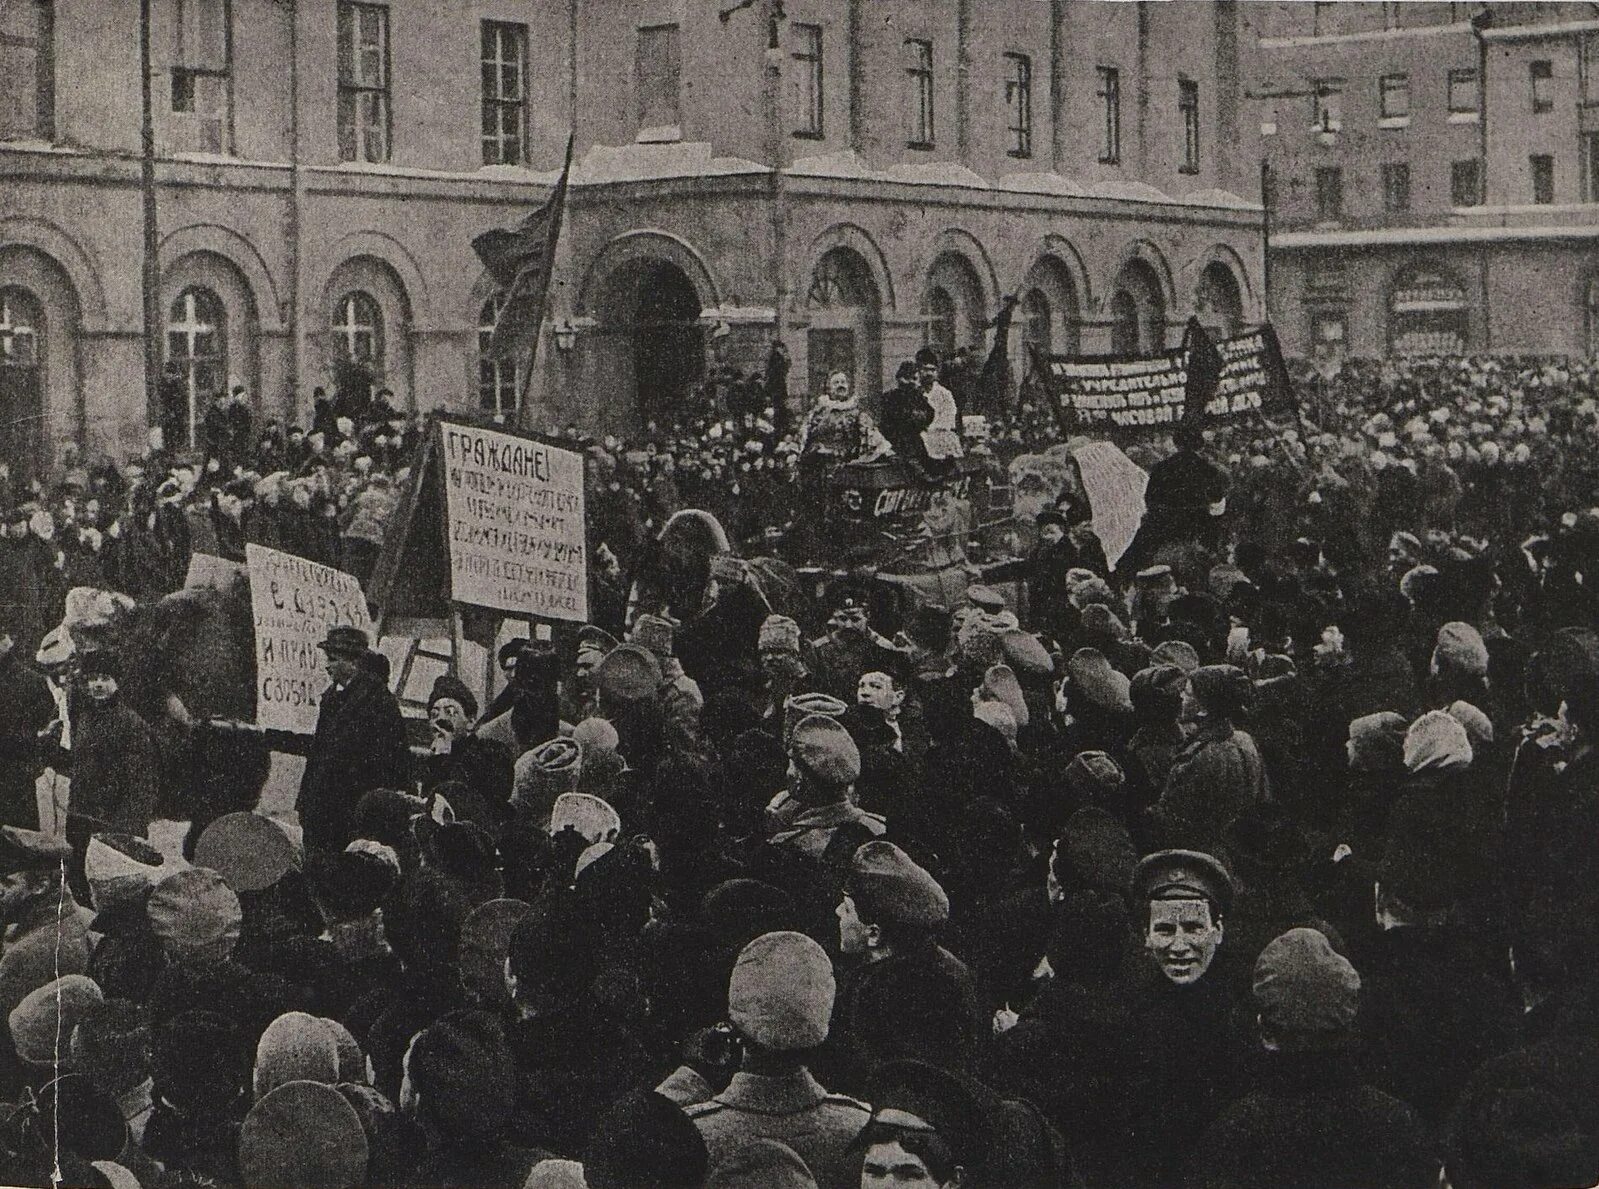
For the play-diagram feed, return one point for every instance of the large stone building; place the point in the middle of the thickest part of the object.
(856, 177)
(1434, 175)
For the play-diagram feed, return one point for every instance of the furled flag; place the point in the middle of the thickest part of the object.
(1204, 365)
(994, 381)
(520, 259)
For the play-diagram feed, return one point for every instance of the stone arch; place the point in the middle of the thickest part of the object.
(637, 247)
(1051, 279)
(844, 320)
(66, 254)
(185, 398)
(956, 241)
(216, 240)
(1146, 253)
(1219, 300)
(848, 235)
(1138, 309)
(40, 389)
(376, 278)
(954, 303)
(378, 246)
(1222, 256)
(1072, 261)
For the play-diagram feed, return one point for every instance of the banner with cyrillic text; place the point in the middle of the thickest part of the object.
(514, 522)
(293, 603)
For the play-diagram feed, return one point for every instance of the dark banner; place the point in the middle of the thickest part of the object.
(1113, 392)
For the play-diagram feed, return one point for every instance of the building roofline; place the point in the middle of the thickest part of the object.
(1536, 32)
(1427, 236)
(1290, 43)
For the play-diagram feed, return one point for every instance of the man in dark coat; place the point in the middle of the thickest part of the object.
(1310, 1121)
(359, 743)
(1185, 498)
(115, 758)
(26, 707)
(905, 413)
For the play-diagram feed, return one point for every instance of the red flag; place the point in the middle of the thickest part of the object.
(521, 259)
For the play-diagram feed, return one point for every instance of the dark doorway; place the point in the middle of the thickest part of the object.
(668, 341)
(21, 383)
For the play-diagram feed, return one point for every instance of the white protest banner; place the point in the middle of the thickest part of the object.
(1115, 485)
(514, 520)
(294, 602)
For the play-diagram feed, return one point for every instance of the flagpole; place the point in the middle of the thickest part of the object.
(549, 266)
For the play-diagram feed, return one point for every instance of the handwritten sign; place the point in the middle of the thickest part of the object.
(1115, 485)
(1149, 393)
(514, 521)
(294, 602)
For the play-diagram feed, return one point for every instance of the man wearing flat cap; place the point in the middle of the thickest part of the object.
(1184, 1010)
(359, 743)
(780, 1001)
(823, 766)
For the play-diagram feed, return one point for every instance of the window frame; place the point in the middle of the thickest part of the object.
(497, 103)
(657, 130)
(1110, 102)
(1540, 84)
(1459, 76)
(1455, 168)
(344, 347)
(1541, 171)
(1327, 105)
(185, 74)
(1396, 183)
(1393, 84)
(1018, 90)
(809, 57)
(495, 373)
(356, 90)
(921, 107)
(1188, 111)
(1335, 175)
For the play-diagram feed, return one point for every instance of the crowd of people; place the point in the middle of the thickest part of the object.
(1265, 857)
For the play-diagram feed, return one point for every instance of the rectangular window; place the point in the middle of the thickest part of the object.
(1396, 187)
(1019, 103)
(1590, 173)
(1390, 14)
(1543, 178)
(1327, 112)
(201, 87)
(1329, 192)
(1110, 102)
(27, 77)
(504, 92)
(807, 77)
(1465, 187)
(1188, 108)
(919, 93)
(1462, 91)
(1394, 92)
(1540, 75)
(659, 72)
(364, 115)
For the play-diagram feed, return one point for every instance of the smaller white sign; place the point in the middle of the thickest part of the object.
(294, 602)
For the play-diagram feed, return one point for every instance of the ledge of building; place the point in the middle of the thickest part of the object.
(1409, 236)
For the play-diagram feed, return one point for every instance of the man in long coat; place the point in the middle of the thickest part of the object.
(359, 743)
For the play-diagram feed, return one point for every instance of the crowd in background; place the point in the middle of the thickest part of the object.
(1266, 858)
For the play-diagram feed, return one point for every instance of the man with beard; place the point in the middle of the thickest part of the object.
(114, 759)
(1187, 1038)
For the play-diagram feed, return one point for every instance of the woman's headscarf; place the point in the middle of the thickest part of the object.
(1436, 742)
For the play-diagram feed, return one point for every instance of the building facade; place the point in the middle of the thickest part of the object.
(854, 177)
(1434, 175)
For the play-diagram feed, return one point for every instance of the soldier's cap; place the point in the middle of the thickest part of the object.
(891, 888)
(823, 750)
(629, 672)
(1156, 576)
(917, 1096)
(780, 995)
(985, 597)
(249, 850)
(1184, 875)
(28, 850)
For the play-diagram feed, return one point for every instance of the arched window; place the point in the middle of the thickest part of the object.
(197, 363)
(358, 331)
(1123, 323)
(19, 329)
(941, 321)
(496, 374)
(1037, 330)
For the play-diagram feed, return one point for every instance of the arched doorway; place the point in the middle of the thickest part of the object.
(1218, 303)
(845, 311)
(196, 363)
(1428, 313)
(1050, 315)
(366, 332)
(668, 340)
(21, 381)
(953, 305)
(1138, 311)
